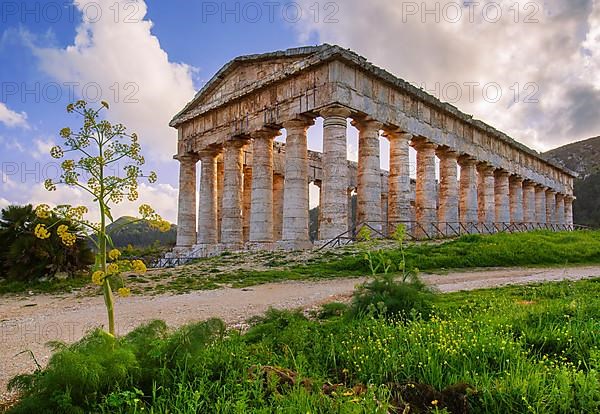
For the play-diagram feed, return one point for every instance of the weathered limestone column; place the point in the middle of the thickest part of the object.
(232, 223)
(529, 203)
(560, 209)
(278, 189)
(486, 211)
(569, 211)
(369, 178)
(247, 201)
(207, 202)
(425, 202)
(550, 206)
(334, 209)
(399, 208)
(220, 181)
(501, 196)
(448, 197)
(261, 210)
(516, 199)
(186, 209)
(350, 218)
(295, 196)
(540, 204)
(468, 192)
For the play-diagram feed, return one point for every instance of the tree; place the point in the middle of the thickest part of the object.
(25, 257)
(94, 154)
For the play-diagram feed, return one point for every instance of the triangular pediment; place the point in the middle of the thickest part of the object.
(246, 71)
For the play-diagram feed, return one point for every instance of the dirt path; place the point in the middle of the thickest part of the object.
(30, 322)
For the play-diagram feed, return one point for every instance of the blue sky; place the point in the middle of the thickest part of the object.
(147, 58)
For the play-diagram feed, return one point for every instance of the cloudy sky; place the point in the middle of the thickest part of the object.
(531, 69)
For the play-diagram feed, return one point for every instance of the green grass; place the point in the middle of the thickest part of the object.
(522, 349)
(46, 286)
(540, 248)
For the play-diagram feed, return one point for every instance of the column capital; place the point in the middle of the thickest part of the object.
(367, 124)
(516, 179)
(446, 152)
(189, 157)
(529, 183)
(209, 152)
(265, 133)
(466, 160)
(301, 122)
(396, 133)
(500, 173)
(421, 143)
(236, 142)
(540, 187)
(335, 111)
(570, 198)
(550, 191)
(485, 169)
(560, 196)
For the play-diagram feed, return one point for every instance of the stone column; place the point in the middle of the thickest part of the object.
(540, 204)
(399, 208)
(232, 223)
(486, 211)
(550, 206)
(425, 202)
(186, 209)
(247, 201)
(448, 197)
(295, 195)
(529, 203)
(560, 210)
(261, 211)
(501, 196)
(207, 205)
(516, 199)
(334, 209)
(220, 182)
(468, 193)
(569, 211)
(369, 177)
(350, 218)
(278, 189)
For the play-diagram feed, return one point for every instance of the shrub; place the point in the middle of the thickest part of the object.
(386, 296)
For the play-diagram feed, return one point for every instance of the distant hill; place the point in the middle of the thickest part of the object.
(583, 157)
(139, 234)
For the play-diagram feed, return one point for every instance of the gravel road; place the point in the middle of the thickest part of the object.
(28, 322)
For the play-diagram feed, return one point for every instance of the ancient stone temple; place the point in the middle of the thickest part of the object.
(254, 192)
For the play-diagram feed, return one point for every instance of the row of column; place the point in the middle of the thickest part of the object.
(482, 195)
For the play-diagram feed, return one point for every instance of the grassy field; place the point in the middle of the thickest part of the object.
(541, 248)
(526, 349)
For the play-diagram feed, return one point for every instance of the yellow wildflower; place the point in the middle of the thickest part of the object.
(124, 292)
(114, 254)
(42, 211)
(112, 269)
(98, 277)
(138, 266)
(434, 402)
(41, 232)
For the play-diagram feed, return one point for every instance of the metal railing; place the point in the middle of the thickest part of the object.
(443, 230)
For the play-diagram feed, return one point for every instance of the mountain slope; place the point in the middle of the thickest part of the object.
(583, 157)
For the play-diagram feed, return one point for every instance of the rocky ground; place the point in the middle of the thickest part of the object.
(28, 322)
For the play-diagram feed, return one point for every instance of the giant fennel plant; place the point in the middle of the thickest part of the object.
(90, 162)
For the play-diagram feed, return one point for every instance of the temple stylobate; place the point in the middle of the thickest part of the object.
(254, 192)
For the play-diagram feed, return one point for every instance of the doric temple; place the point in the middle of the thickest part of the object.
(254, 192)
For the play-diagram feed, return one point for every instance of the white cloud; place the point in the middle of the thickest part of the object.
(11, 118)
(133, 72)
(4, 203)
(559, 55)
(42, 147)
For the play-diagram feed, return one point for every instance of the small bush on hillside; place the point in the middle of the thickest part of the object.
(387, 296)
